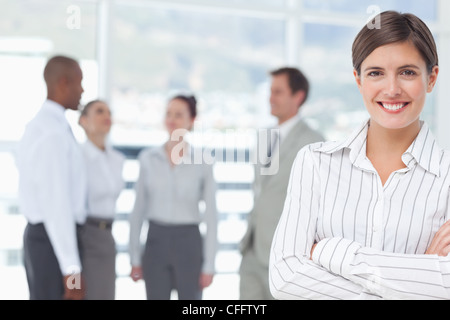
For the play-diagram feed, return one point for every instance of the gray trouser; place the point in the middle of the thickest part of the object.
(44, 276)
(99, 259)
(173, 260)
(254, 278)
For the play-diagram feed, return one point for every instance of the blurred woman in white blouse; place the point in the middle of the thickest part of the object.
(105, 183)
(168, 192)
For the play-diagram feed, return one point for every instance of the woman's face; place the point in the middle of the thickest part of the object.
(178, 116)
(97, 121)
(394, 82)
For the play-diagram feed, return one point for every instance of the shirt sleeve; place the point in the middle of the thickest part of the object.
(292, 274)
(53, 172)
(137, 215)
(389, 275)
(210, 219)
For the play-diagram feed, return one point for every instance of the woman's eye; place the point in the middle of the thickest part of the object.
(409, 73)
(374, 74)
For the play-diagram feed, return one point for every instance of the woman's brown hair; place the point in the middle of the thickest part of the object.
(89, 105)
(191, 102)
(395, 28)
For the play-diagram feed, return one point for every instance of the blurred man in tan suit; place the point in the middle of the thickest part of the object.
(289, 91)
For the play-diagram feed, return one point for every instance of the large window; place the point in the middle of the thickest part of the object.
(221, 58)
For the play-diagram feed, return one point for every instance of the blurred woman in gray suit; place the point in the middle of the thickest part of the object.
(168, 192)
(105, 183)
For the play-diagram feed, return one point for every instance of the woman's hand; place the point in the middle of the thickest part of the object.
(441, 243)
(136, 274)
(312, 250)
(205, 280)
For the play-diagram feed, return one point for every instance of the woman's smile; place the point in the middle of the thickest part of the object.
(393, 107)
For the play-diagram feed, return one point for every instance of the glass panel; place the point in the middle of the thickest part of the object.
(335, 105)
(225, 65)
(426, 10)
(32, 31)
(42, 27)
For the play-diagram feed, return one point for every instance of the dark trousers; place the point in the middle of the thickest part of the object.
(44, 276)
(173, 259)
(99, 259)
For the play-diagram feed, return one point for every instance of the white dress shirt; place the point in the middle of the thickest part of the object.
(171, 195)
(286, 127)
(52, 183)
(372, 238)
(105, 180)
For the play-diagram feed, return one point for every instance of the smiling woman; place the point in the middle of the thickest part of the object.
(395, 68)
(365, 218)
(389, 87)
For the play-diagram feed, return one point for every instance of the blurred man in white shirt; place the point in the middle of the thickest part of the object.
(52, 188)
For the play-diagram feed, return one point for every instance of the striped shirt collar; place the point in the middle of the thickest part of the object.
(423, 151)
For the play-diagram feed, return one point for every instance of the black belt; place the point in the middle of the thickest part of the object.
(103, 224)
(41, 225)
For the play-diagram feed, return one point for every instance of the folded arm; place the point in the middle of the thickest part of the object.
(390, 275)
(292, 274)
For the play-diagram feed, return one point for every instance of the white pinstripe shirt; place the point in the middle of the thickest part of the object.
(371, 238)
